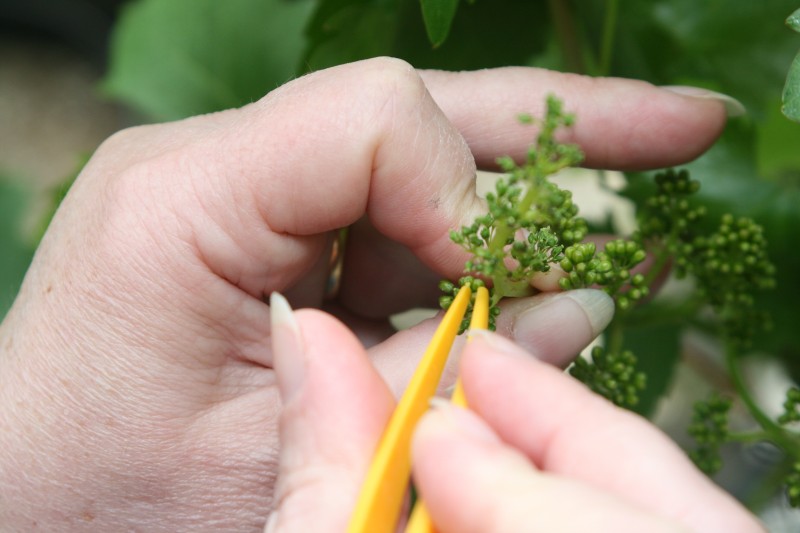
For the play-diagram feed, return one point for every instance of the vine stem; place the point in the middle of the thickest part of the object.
(503, 232)
(745, 438)
(615, 336)
(567, 36)
(773, 431)
(498, 244)
(660, 262)
(609, 31)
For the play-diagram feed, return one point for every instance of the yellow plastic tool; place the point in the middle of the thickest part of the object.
(378, 506)
(420, 520)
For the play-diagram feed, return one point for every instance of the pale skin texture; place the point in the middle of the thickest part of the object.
(137, 389)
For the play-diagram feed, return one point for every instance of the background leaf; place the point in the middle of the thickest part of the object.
(176, 58)
(342, 31)
(793, 21)
(438, 16)
(657, 348)
(731, 46)
(791, 91)
(482, 35)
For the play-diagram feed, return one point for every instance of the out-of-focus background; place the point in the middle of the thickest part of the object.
(53, 54)
(74, 71)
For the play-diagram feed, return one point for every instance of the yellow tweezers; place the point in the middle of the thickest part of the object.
(381, 498)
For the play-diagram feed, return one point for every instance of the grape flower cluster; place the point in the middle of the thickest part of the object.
(611, 269)
(611, 375)
(709, 428)
(793, 485)
(528, 221)
(791, 407)
(531, 224)
(730, 266)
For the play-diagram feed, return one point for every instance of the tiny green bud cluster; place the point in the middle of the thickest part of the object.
(610, 269)
(793, 485)
(791, 407)
(450, 290)
(730, 265)
(709, 428)
(529, 218)
(668, 212)
(611, 375)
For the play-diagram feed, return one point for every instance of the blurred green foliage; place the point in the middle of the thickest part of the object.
(791, 90)
(177, 58)
(16, 249)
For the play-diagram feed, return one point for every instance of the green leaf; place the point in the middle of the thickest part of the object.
(793, 21)
(777, 145)
(348, 30)
(657, 349)
(731, 46)
(176, 58)
(483, 35)
(342, 31)
(16, 253)
(438, 16)
(791, 91)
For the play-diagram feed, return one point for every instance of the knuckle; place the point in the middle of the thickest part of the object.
(393, 84)
(124, 140)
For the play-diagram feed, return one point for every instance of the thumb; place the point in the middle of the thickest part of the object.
(335, 409)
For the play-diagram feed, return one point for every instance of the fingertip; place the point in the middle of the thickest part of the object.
(446, 420)
(733, 107)
(634, 125)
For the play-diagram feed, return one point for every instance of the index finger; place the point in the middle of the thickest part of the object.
(621, 124)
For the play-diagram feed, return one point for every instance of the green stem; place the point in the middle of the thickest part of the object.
(658, 267)
(746, 438)
(498, 244)
(567, 36)
(615, 336)
(609, 30)
(773, 431)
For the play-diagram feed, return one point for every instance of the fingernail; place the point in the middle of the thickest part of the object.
(461, 421)
(558, 311)
(598, 306)
(733, 107)
(272, 521)
(287, 347)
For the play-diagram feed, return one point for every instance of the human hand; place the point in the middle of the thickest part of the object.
(539, 453)
(137, 383)
(543, 453)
